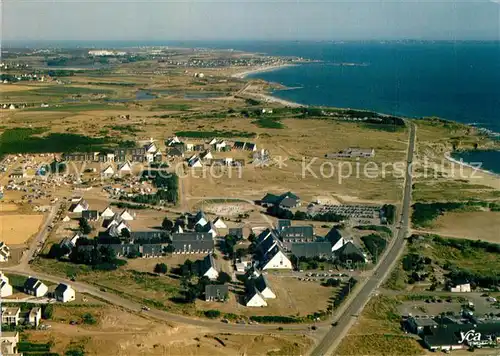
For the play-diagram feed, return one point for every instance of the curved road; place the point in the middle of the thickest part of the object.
(358, 301)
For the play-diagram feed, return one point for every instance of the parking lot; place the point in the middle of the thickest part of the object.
(362, 214)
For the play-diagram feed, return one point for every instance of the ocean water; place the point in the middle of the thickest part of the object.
(456, 81)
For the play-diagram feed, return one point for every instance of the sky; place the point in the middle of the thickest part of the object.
(249, 19)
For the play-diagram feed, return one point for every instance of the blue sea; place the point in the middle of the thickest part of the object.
(457, 81)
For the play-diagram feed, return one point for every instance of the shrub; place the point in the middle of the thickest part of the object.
(212, 313)
(161, 268)
(89, 319)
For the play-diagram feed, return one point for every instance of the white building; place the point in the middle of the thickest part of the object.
(5, 287)
(4, 252)
(125, 215)
(255, 299)
(64, 293)
(262, 285)
(34, 316)
(209, 268)
(107, 213)
(461, 288)
(108, 172)
(125, 168)
(219, 223)
(79, 206)
(35, 287)
(276, 259)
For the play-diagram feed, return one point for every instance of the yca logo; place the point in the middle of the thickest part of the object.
(470, 336)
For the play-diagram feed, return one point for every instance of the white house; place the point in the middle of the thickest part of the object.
(189, 146)
(5, 287)
(220, 146)
(218, 223)
(66, 219)
(125, 215)
(35, 287)
(125, 168)
(10, 315)
(209, 268)
(107, 213)
(206, 156)
(210, 228)
(212, 141)
(151, 147)
(200, 218)
(461, 288)
(64, 293)
(173, 140)
(262, 285)
(195, 163)
(34, 316)
(255, 299)
(276, 259)
(74, 239)
(4, 252)
(79, 206)
(108, 172)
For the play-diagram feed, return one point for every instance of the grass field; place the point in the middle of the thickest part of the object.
(17, 229)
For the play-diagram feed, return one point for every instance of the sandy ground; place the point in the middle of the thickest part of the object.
(121, 333)
(17, 229)
(4, 207)
(481, 225)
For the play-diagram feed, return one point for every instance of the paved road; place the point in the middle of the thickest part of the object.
(358, 301)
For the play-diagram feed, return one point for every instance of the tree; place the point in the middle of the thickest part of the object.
(125, 232)
(84, 225)
(224, 278)
(161, 268)
(167, 224)
(47, 311)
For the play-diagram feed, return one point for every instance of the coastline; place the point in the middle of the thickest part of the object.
(244, 74)
(448, 156)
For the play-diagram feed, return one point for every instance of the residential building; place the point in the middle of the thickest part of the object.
(35, 287)
(64, 293)
(286, 200)
(208, 268)
(35, 316)
(219, 223)
(8, 342)
(10, 315)
(108, 172)
(4, 252)
(210, 228)
(262, 285)
(193, 242)
(350, 253)
(5, 286)
(79, 206)
(125, 168)
(320, 249)
(125, 215)
(152, 250)
(421, 325)
(90, 215)
(255, 299)
(216, 292)
(107, 213)
(200, 219)
(337, 238)
(283, 223)
(236, 231)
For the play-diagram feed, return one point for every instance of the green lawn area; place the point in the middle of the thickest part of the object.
(26, 140)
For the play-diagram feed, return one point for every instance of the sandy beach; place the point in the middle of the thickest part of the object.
(245, 73)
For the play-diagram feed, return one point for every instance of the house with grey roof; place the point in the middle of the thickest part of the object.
(35, 287)
(208, 267)
(320, 249)
(283, 223)
(285, 201)
(236, 231)
(349, 252)
(290, 234)
(216, 292)
(90, 215)
(193, 242)
(152, 250)
(262, 285)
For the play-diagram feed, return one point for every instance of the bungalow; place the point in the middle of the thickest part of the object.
(175, 152)
(198, 148)
(5, 287)
(107, 172)
(286, 200)
(262, 285)
(107, 213)
(90, 215)
(206, 156)
(10, 315)
(151, 147)
(66, 219)
(64, 293)
(173, 140)
(255, 299)
(208, 267)
(4, 252)
(195, 163)
(79, 206)
(35, 316)
(211, 229)
(125, 168)
(216, 292)
(35, 287)
(200, 219)
(125, 215)
(219, 223)
(8, 342)
(220, 145)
